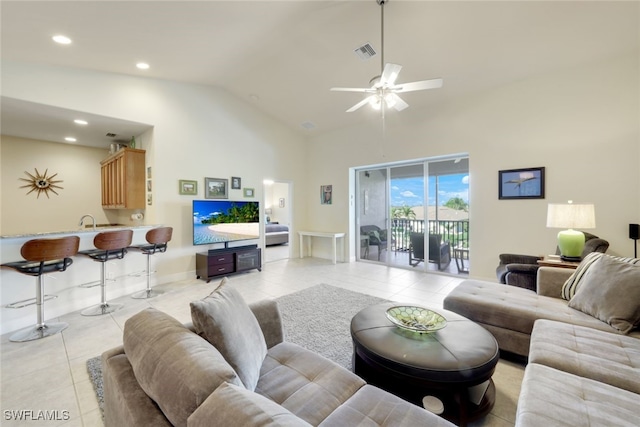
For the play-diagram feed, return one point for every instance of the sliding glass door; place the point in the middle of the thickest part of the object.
(373, 214)
(415, 214)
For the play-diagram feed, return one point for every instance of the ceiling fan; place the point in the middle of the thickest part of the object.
(384, 90)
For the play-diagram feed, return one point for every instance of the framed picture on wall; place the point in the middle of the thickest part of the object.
(187, 187)
(249, 192)
(326, 194)
(521, 183)
(216, 188)
(236, 183)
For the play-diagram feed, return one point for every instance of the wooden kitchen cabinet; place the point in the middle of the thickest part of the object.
(123, 180)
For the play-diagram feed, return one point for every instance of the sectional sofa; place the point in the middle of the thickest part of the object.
(579, 331)
(232, 367)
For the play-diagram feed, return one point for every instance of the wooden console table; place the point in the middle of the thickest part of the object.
(333, 236)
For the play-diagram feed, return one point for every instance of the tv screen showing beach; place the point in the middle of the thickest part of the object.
(221, 221)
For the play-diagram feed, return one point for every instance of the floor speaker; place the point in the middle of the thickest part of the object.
(634, 231)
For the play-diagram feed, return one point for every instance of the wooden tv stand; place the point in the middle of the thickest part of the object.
(222, 262)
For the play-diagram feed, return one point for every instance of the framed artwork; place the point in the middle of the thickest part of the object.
(149, 185)
(188, 187)
(236, 183)
(216, 188)
(326, 194)
(249, 192)
(521, 184)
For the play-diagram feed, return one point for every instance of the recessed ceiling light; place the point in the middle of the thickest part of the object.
(61, 39)
(80, 122)
(142, 65)
(70, 139)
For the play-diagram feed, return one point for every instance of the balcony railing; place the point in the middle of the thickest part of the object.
(455, 232)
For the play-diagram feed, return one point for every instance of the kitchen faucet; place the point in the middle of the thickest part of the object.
(92, 219)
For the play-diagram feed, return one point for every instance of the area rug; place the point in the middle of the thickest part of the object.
(317, 318)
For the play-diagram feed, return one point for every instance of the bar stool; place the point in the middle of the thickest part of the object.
(43, 256)
(157, 239)
(109, 245)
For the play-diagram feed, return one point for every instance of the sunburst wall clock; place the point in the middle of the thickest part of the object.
(41, 183)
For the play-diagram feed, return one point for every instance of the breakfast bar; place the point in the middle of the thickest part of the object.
(72, 296)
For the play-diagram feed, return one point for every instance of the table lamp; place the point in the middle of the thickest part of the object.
(570, 216)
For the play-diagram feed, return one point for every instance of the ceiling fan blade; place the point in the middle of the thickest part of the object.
(351, 89)
(359, 105)
(398, 103)
(390, 74)
(421, 85)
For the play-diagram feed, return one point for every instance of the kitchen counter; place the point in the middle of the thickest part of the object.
(99, 228)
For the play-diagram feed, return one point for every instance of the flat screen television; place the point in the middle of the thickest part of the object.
(224, 221)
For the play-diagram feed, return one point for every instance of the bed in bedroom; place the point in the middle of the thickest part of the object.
(276, 234)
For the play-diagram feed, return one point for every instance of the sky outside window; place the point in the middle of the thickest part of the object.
(410, 191)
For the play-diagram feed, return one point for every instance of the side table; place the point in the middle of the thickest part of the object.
(364, 246)
(556, 261)
(459, 254)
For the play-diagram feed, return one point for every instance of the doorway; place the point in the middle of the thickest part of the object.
(278, 220)
(414, 214)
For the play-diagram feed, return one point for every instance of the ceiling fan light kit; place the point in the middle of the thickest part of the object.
(383, 93)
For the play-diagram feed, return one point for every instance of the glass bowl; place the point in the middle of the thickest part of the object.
(417, 319)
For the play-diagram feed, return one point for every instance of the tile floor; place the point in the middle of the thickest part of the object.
(50, 374)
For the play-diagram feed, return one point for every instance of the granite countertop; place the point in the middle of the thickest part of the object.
(99, 228)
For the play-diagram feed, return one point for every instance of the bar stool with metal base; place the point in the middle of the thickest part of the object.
(43, 256)
(157, 239)
(109, 245)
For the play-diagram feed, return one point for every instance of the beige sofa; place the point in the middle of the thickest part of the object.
(165, 374)
(509, 312)
(581, 370)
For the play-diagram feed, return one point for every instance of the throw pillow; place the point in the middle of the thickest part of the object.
(610, 291)
(175, 367)
(573, 283)
(231, 405)
(226, 321)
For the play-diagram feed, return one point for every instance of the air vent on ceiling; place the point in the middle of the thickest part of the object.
(111, 135)
(365, 51)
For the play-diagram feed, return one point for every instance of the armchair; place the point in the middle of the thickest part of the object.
(522, 270)
(377, 237)
(439, 251)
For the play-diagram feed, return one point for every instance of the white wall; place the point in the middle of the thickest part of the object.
(77, 167)
(199, 132)
(580, 123)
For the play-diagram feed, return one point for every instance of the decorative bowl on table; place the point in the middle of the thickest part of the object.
(417, 319)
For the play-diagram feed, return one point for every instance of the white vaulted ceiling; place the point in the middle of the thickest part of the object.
(283, 56)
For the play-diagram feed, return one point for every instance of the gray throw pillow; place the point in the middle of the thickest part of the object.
(610, 291)
(231, 405)
(573, 283)
(225, 320)
(175, 367)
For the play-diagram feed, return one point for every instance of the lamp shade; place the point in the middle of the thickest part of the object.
(570, 216)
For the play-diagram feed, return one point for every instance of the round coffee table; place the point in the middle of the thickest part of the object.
(454, 364)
